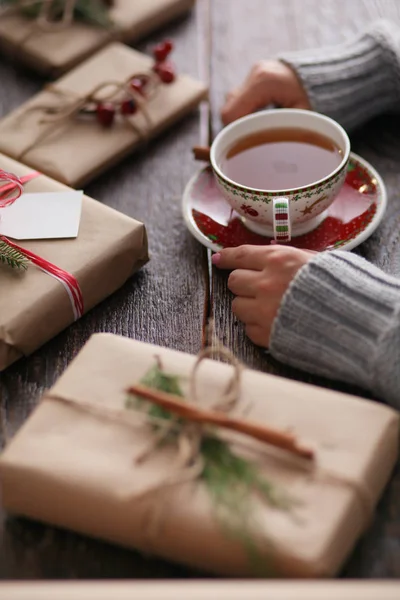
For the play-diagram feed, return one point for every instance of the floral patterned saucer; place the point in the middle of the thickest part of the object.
(351, 219)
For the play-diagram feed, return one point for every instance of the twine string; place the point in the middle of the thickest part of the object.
(70, 106)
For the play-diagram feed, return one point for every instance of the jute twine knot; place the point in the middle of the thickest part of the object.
(189, 463)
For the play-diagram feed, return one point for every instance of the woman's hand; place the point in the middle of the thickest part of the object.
(259, 279)
(269, 82)
(262, 274)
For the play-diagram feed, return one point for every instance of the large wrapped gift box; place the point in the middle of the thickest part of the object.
(74, 464)
(56, 51)
(34, 306)
(75, 150)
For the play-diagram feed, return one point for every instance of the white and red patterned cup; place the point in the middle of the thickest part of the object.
(281, 214)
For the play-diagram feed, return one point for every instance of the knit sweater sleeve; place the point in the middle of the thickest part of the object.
(354, 81)
(340, 318)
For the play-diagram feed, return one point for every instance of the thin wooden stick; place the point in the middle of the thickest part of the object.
(211, 417)
(201, 153)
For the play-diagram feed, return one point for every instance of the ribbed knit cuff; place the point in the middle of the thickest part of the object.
(355, 81)
(340, 319)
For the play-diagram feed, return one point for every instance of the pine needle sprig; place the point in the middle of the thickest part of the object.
(156, 379)
(93, 12)
(12, 257)
(89, 11)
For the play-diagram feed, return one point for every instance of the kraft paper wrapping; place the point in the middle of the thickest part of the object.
(34, 307)
(73, 469)
(202, 590)
(54, 53)
(80, 149)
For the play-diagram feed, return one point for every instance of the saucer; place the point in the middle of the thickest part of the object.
(351, 219)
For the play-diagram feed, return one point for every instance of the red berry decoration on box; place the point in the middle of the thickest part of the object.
(130, 96)
(165, 70)
(163, 67)
(128, 107)
(105, 113)
(162, 50)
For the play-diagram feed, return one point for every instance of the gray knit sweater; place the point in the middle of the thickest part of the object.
(340, 317)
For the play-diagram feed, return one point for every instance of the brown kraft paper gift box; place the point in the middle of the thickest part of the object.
(56, 52)
(73, 465)
(34, 306)
(79, 149)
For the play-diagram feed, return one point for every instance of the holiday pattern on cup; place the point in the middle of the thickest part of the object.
(305, 203)
(359, 204)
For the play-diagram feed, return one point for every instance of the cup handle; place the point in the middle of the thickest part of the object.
(282, 227)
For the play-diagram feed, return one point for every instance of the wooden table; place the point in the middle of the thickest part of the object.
(165, 304)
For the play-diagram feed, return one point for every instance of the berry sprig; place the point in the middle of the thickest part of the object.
(140, 86)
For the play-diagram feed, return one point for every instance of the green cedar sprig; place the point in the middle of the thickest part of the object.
(94, 12)
(11, 257)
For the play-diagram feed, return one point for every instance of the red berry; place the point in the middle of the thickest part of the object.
(128, 107)
(160, 53)
(162, 50)
(165, 70)
(105, 113)
(138, 84)
(169, 45)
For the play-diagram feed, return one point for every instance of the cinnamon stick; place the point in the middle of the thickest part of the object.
(201, 153)
(188, 411)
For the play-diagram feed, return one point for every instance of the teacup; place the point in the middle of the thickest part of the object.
(285, 212)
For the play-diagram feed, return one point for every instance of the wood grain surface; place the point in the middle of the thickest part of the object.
(166, 302)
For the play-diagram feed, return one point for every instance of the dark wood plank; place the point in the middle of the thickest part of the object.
(245, 32)
(163, 305)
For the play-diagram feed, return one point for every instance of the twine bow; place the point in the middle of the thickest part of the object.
(71, 106)
(189, 463)
(107, 91)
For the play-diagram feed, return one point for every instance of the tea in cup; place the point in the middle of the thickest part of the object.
(281, 169)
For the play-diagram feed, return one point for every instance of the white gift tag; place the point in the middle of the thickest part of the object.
(48, 215)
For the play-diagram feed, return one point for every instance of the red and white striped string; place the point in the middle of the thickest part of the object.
(11, 188)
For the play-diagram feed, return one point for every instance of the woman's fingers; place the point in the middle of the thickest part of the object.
(242, 257)
(269, 82)
(245, 310)
(260, 278)
(243, 282)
